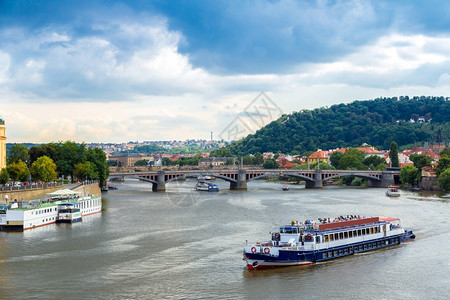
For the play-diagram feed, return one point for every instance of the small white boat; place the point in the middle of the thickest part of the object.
(393, 191)
(206, 177)
(207, 187)
(286, 188)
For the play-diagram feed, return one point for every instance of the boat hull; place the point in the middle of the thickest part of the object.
(261, 257)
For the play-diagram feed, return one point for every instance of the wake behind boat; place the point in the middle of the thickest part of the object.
(310, 242)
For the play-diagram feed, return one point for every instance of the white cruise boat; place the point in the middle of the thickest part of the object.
(20, 216)
(311, 242)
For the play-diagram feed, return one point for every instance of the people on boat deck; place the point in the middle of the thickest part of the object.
(327, 220)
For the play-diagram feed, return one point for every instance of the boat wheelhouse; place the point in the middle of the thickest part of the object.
(393, 191)
(69, 213)
(304, 244)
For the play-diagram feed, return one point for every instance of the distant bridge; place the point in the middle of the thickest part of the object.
(238, 178)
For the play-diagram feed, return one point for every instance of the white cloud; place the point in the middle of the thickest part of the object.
(109, 89)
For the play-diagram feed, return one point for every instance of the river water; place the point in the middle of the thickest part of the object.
(185, 244)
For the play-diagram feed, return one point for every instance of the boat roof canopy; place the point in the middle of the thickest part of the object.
(63, 192)
(388, 219)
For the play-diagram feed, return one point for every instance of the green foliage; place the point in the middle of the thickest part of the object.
(351, 162)
(335, 158)
(4, 176)
(48, 150)
(18, 171)
(271, 164)
(393, 154)
(350, 125)
(374, 162)
(259, 159)
(43, 169)
(157, 149)
(18, 153)
(358, 181)
(141, 162)
(420, 161)
(111, 163)
(67, 155)
(443, 164)
(446, 151)
(85, 170)
(97, 158)
(221, 152)
(444, 180)
(409, 175)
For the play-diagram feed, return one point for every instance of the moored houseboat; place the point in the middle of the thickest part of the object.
(21, 216)
(311, 242)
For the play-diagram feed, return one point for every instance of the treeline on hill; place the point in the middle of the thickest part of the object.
(47, 161)
(375, 122)
(157, 149)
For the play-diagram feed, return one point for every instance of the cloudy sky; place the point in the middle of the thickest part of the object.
(118, 71)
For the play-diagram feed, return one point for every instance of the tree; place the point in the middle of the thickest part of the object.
(259, 159)
(221, 152)
(443, 164)
(18, 153)
(85, 170)
(18, 171)
(97, 157)
(335, 158)
(271, 164)
(350, 162)
(43, 169)
(48, 150)
(420, 161)
(393, 154)
(373, 162)
(446, 151)
(141, 162)
(67, 155)
(444, 180)
(4, 176)
(408, 175)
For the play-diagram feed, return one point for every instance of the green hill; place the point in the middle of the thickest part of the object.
(375, 122)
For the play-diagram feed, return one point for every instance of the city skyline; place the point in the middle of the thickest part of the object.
(114, 71)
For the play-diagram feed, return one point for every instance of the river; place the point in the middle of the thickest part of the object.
(185, 244)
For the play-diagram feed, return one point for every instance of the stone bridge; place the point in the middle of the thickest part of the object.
(238, 178)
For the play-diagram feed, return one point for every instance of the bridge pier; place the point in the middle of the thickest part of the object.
(160, 185)
(241, 181)
(317, 183)
(387, 179)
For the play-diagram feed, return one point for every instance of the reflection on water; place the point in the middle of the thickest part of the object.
(188, 244)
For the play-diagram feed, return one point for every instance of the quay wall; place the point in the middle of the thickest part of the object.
(89, 189)
(28, 194)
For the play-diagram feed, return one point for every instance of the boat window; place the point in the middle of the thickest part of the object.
(340, 251)
(317, 239)
(371, 230)
(335, 253)
(350, 233)
(359, 232)
(341, 235)
(345, 235)
(367, 230)
(336, 236)
(331, 237)
(363, 232)
(330, 253)
(325, 255)
(325, 238)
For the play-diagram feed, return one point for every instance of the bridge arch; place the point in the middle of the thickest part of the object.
(267, 175)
